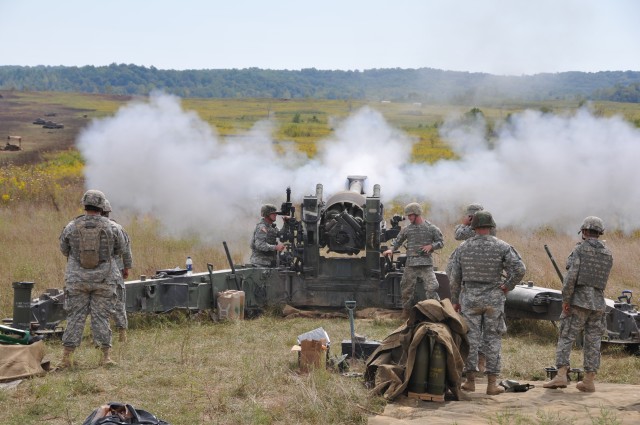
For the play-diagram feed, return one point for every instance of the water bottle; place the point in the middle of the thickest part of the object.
(189, 266)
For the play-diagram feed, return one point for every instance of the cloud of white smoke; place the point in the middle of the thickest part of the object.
(541, 170)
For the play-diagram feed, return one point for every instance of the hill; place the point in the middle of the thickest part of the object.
(418, 85)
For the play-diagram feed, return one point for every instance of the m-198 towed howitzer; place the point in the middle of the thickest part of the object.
(534, 302)
(333, 255)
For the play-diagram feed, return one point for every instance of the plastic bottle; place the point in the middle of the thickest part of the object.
(189, 266)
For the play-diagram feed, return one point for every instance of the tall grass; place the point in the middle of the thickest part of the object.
(190, 369)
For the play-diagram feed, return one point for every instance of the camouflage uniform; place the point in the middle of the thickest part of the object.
(464, 232)
(124, 261)
(419, 266)
(476, 269)
(90, 291)
(263, 244)
(588, 269)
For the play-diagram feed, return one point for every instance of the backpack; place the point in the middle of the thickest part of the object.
(90, 232)
(121, 414)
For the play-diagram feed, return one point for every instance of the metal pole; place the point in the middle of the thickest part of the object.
(351, 306)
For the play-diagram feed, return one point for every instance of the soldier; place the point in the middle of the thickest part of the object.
(90, 244)
(477, 290)
(264, 244)
(422, 239)
(125, 262)
(464, 230)
(583, 304)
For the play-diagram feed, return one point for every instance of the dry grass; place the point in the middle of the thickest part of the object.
(192, 370)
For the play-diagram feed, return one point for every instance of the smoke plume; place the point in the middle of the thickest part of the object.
(536, 170)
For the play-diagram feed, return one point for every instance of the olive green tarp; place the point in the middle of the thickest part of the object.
(389, 368)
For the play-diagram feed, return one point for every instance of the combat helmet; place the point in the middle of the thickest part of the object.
(93, 198)
(268, 209)
(593, 223)
(413, 208)
(107, 206)
(482, 219)
(474, 208)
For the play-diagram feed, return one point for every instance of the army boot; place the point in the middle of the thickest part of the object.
(122, 335)
(492, 387)
(106, 358)
(560, 380)
(587, 385)
(67, 358)
(470, 382)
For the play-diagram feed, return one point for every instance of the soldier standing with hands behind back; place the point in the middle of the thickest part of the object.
(422, 239)
(583, 304)
(478, 292)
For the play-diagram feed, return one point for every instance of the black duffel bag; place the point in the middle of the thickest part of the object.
(121, 414)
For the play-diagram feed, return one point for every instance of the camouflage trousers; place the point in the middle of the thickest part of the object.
(88, 298)
(593, 324)
(120, 309)
(410, 277)
(485, 317)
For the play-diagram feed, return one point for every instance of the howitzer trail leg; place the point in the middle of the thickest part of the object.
(492, 387)
(587, 385)
(560, 380)
(470, 382)
(67, 358)
(106, 357)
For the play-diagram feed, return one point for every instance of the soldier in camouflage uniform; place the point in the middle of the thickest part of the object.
(478, 291)
(264, 244)
(90, 244)
(422, 239)
(464, 230)
(125, 262)
(583, 304)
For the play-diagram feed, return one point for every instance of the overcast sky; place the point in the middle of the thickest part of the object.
(506, 37)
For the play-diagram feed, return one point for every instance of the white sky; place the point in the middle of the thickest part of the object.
(496, 36)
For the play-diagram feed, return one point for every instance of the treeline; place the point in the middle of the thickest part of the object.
(418, 85)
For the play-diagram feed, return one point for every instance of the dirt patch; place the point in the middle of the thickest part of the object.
(610, 404)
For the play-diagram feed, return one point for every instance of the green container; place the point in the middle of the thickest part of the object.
(437, 369)
(418, 380)
(22, 305)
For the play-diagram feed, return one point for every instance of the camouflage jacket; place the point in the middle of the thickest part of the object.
(482, 259)
(417, 236)
(582, 268)
(464, 232)
(111, 245)
(125, 260)
(263, 244)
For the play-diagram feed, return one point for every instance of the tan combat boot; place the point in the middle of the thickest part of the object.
(492, 387)
(587, 385)
(106, 358)
(482, 362)
(470, 382)
(560, 380)
(67, 358)
(122, 335)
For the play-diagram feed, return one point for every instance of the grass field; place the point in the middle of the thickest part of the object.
(190, 369)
